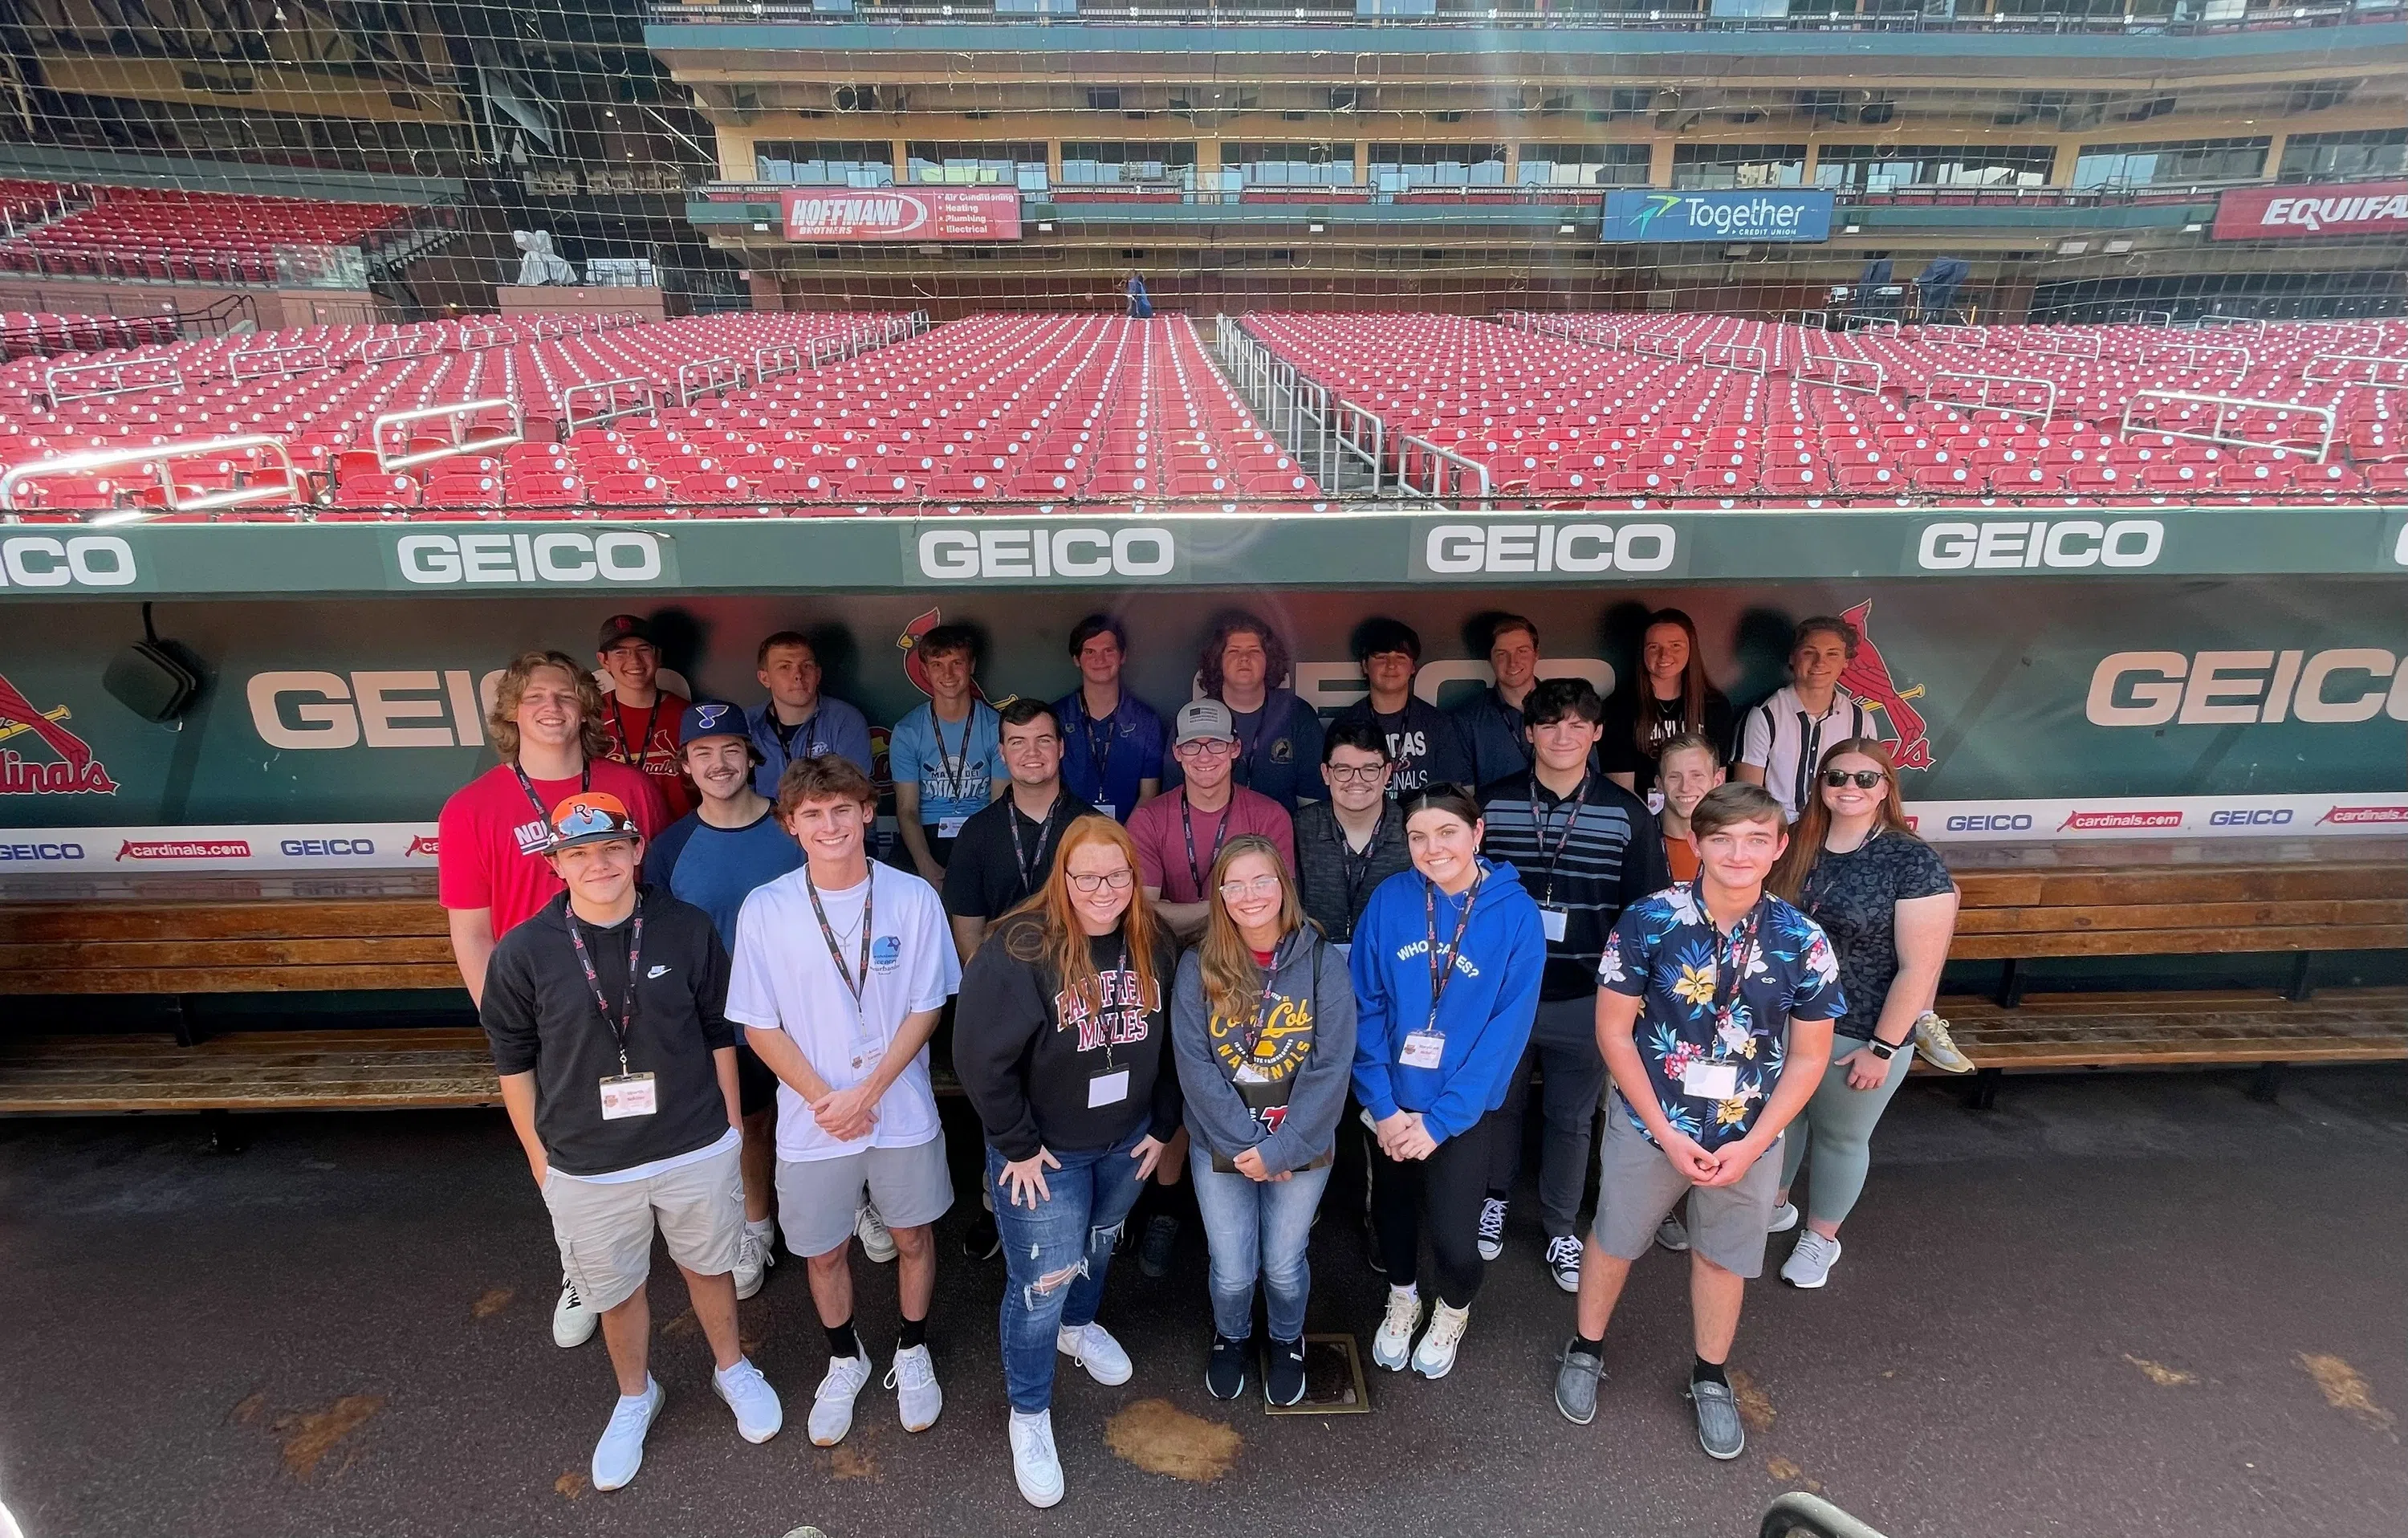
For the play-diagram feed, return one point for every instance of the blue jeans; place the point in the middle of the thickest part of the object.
(1258, 1228)
(1056, 1257)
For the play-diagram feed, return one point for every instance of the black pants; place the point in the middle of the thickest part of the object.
(1563, 1048)
(1443, 1193)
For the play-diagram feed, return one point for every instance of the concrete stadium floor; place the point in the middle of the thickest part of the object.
(2135, 1304)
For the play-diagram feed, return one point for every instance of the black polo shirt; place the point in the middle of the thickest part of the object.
(985, 876)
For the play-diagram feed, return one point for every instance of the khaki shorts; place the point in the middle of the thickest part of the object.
(1636, 1188)
(818, 1198)
(606, 1231)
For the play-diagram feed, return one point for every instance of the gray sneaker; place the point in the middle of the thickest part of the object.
(1936, 1046)
(1719, 1432)
(1576, 1385)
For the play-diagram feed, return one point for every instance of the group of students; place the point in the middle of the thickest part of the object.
(1176, 954)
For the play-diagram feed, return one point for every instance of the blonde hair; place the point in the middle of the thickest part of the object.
(1232, 979)
(1063, 944)
(503, 724)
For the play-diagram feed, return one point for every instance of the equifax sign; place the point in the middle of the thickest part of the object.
(2294, 214)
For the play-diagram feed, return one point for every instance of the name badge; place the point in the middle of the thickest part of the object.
(625, 1095)
(1422, 1049)
(1655, 802)
(1106, 809)
(949, 827)
(1249, 1073)
(1107, 1088)
(1711, 1080)
(1552, 920)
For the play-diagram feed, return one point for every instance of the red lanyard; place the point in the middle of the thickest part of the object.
(626, 1020)
(584, 783)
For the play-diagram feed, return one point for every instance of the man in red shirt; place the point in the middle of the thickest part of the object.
(494, 833)
(640, 717)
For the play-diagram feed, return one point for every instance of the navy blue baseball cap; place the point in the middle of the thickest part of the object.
(713, 718)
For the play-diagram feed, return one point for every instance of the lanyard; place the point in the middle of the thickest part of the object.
(1119, 967)
(1731, 958)
(949, 765)
(619, 729)
(1019, 856)
(1101, 755)
(1356, 869)
(1441, 962)
(1187, 826)
(1538, 820)
(584, 783)
(626, 1020)
(854, 985)
(1254, 1037)
(801, 732)
(1245, 769)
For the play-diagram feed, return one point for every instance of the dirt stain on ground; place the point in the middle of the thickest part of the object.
(248, 1411)
(1787, 1473)
(1160, 1438)
(2159, 1373)
(847, 1463)
(311, 1435)
(2346, 1390)
(568, 1487)
(490, 1303)
(1755, 1405)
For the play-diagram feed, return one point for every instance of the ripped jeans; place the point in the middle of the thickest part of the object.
(1056, 1256)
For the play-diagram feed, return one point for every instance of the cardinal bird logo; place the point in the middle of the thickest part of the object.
(1869, 682)
(74, 772)
(917, 671)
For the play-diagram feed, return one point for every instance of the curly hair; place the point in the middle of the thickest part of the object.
(502, 725)
(1276, 661)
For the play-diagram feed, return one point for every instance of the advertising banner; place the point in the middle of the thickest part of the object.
(902, 213)
(1773, 213)
(2312, 212)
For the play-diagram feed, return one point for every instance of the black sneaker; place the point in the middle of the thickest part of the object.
(982, 1239)
(1225, 1374)
(1283, 1373)
(1153, 1252)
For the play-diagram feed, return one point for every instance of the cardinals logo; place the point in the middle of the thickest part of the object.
(917, 671)
(74, 772)
(1868, 681)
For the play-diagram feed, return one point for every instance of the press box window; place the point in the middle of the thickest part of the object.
(1708, 167)
(2110, 167)
(856, 163)
(1583, 166)
(1406, 167)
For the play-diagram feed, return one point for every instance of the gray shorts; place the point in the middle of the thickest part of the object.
(604, 1232)
(1636, 1188)
(817, 1199)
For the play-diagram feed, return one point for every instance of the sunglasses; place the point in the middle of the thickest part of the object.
(1865, 779)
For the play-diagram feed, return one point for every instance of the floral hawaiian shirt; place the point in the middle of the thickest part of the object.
(1666, 953)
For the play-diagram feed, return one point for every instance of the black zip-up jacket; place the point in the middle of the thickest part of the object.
(1323, 861)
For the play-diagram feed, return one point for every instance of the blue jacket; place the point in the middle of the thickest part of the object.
(1485, 1012)
(840, 730)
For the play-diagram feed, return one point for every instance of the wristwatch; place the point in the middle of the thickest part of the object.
(1881, 1049)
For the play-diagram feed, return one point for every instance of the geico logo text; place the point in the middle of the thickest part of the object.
(1453, 549)
(64, 851)
(405, 708)
(79, 560)
(952, 554)
(318, 847)
(2342, 685)
(2263, 816)
(2019, 545)
(561, 555)
(1990, 822)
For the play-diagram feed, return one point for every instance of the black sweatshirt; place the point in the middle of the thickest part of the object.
(541, 1017)
(1028, 1070)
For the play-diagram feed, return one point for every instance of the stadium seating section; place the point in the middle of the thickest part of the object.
(797, 413)
(175, 237)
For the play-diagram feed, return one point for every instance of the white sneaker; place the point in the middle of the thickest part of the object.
(1392, 1344)
(621, 1451)
(1809, 1264)
(1673, 1234)
(876, 1242)
(755, 1253)
(759, 1416)
(573, 1323)
(1092, 1347)
(913, 1378)
(1492, 1227)
(1435, 1356)
(1564, 1261)
(1784, 1218)
(832, 1405)
(1035, 1466)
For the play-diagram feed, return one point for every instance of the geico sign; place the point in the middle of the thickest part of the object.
(2342, 685)
(320, 848)
(1990, 822)
(957, 554)
(406, 708)
(561, 555)
(78, 560)
(2263, 816)
(2026, 544)
(1453, 549)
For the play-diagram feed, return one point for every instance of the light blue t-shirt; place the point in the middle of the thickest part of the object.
(954, 762)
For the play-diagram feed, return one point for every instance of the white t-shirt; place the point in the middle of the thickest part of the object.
(783, 979)
(1779, 738)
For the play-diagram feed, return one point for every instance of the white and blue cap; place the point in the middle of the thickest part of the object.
(712, 718)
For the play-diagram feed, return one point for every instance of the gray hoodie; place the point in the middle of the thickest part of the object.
(1301, 1064)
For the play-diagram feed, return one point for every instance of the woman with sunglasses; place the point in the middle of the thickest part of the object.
(1856, 867)
(1060, 1039)
(1446, 965)
(1264, 1025)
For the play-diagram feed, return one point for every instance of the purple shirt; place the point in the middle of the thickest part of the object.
(1162, 839)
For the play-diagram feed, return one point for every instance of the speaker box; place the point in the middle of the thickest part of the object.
(155, 680)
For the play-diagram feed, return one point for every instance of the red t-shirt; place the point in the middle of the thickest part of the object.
(1161, 839)
(646, 738)
(1681, 858)
(489, 849)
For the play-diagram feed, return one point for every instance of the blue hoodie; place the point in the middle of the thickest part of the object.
(1485, 1012)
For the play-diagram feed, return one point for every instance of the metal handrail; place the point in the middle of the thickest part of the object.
(1438, 459)
(2255, 326)
(763, 357)
(1840, 369)
(169, 378)
(1730, 355)
(1947, 334)
(606, 395)
(720, 373)
(1799, 1514)
(474, 336)
(292, 358)
(155, 459)
(2225, 406)
(1883, 325)
(417, 342)
(1349, 415)
(2373, 362)
(1654, 344)
(2081, 344)
(454, 415)
(1814, 319)
(2193, 355)
(2045, 412)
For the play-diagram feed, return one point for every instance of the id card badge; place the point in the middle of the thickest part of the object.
(1106, 809)
(1109, 1088)
(1711, 1080)
(1554, 921)
(625, 1095)
(949, 827)
(1422, 1049)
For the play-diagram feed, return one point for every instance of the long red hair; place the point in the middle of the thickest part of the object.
(1066, 946)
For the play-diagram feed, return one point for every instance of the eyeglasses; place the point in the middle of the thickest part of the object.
(1865, 779)
(1261, 886)
(1118, 881)
(1367, 774)
(1205, 747)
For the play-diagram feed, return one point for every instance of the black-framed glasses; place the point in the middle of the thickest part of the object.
(1865, 779)
(1119, 881)
(1365, 774)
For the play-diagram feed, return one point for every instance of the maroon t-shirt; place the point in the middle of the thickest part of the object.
(645, 738)
(1162, 839)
